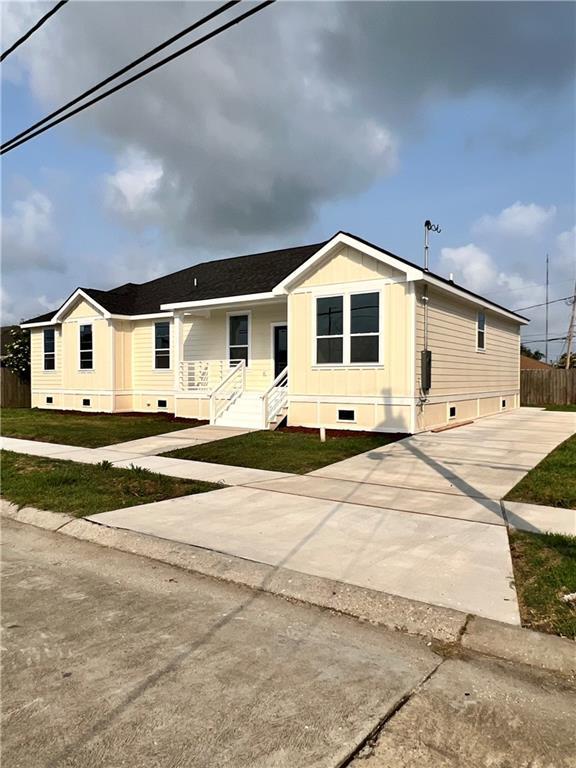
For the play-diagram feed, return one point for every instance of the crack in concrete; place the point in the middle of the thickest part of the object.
(365, 748)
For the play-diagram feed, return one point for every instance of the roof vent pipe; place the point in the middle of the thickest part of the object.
(195, 282)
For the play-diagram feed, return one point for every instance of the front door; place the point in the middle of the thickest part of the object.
(280, 349)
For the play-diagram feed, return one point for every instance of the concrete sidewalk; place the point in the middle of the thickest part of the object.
(124, 459)
(181, 438)
(449, 562)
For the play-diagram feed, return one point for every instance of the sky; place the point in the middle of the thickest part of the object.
(306, 119)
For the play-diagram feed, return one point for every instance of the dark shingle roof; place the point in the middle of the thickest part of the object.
(254, 273)
(237, 276)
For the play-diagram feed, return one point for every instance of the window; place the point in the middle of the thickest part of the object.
(348, 329)
(480, 330)
(452, 411)
(329, 330)
(238, 338)
(503, 403)
(86, 401)
(364, 327)
(49, 349)
(86, 350)
(346, 415)
(162, 345)
(162, 403)
(49, 400)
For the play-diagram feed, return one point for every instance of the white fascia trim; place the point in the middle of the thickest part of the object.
(339, 240)
(151, 316)
(45, 324)
(223, 301)
(79, 293)
(349, 399)
(479, 301)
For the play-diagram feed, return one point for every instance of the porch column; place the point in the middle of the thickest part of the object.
(178, 350)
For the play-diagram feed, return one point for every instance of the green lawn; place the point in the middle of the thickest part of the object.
(552, 482)
(544, 570)
(570, 408)
(283, 451)
(86, 429)
(85, 489)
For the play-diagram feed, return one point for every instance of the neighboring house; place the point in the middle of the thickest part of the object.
(329, 334)
(530, 364)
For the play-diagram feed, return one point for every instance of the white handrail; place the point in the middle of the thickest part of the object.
(229, 389)
(275, 397)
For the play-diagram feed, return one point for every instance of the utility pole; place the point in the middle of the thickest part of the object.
(546, 334)
(570, 335)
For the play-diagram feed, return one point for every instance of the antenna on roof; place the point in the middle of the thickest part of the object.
(428, 227)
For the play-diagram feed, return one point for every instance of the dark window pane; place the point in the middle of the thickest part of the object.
(239, 353)
(238, 330)
(49, 340)
(162, 335)
(364, 313)
(162, 359)
(329, 350)
(329, 316)
(481, 321)
(85, 337)
(344, 415)
(364, 349)
(49, 362)
(481, 340)
(85, 360)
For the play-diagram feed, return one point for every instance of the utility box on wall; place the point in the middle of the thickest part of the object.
(426, 370)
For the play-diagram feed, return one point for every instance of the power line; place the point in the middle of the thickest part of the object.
(123, 71)
(529, 285)
(544, 303)
(541, 341)
(151, 68)
(33, 29)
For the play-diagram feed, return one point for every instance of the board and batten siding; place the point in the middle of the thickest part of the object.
(71, 385)
(315, 389)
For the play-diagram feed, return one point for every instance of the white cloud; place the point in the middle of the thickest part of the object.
(566, 249)
(133, 188)
(518, 220)
(299, 106)
(29, 236)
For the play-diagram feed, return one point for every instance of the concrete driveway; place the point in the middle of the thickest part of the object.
(420, 518)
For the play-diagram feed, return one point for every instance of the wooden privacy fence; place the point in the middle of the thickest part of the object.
(14, 393)
(556, 386)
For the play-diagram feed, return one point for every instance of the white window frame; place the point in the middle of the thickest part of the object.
(346, 345)
(82, 323)
(372, 333)
(330, 336)
(154, 350)
(44, 353)
(478, 313)
(245, 313)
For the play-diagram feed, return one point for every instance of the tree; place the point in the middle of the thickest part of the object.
(561, 362)
(16, 355)
(534, 354)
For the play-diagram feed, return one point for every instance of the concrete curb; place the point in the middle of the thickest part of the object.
(444, 625)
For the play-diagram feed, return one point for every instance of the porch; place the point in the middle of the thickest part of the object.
(219, 386)
(231, 364)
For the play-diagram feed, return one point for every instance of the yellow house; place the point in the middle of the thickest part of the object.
(339, 334)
